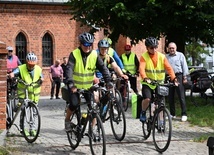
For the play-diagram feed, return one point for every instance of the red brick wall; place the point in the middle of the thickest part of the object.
(3, 85)
(35, 20)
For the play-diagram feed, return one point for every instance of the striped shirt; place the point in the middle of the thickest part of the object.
(178, 63)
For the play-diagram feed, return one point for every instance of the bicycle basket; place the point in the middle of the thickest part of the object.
(163, 90)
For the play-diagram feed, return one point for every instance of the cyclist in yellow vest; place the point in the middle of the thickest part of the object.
(81, 67)
(114, 54)
(152, 67)
(29, 72)
(131, 65)
(103, 47)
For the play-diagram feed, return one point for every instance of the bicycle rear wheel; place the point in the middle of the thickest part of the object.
(162, 130)
(147, 125)
(126, 98)
(73, 134)
(9, 116)
(30, 122)
(97, 138)
(118, 121)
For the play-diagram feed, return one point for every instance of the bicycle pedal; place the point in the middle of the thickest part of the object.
(86, 134)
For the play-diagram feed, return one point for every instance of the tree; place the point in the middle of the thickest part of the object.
(177, 20)
(195, 51)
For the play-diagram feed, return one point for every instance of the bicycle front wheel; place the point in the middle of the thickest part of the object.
(97, 138)
(162, 130)
(118, 121)
(73, 134)
(30, 122)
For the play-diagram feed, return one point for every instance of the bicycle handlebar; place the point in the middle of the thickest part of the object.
(131, 75)
(27, 84)
(90, 90)
(156, 83)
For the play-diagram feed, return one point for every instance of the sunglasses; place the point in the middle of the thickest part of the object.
(87, 44)
(10, 51)
(152, 48)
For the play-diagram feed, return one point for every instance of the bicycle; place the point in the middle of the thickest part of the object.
(158, 118)
(30, 120)
(109, 103)
(91, 119)
(123, 86)
(11, 100)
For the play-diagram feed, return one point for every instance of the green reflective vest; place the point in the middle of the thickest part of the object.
(83, 77)
(153, 73)
(33, 91)
(129, 64)
(110, 53)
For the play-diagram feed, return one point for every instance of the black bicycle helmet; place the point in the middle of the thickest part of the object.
(86, 38)
(103, 43)
(151, 42)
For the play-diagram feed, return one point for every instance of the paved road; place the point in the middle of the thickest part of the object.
(53, 139)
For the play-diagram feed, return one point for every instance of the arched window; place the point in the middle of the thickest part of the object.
(21, 47)
(47, 50)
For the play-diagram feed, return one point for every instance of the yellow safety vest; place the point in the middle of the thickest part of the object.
(153, 73)
(110, 53)
(33, 91)
(129, 64)
(83, 77)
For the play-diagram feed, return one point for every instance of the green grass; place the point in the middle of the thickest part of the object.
(202, 114)
(4, 151)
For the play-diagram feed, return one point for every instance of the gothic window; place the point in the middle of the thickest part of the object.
(47, 50)
(21, 47)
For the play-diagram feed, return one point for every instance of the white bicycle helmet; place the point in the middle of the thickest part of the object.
(31, 58)
(9, 48)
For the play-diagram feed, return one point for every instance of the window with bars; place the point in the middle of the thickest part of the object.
(21, 47)
(47, 50)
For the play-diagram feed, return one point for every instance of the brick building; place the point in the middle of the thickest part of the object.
(44, 27)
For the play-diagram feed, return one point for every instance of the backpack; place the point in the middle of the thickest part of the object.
(201, 80)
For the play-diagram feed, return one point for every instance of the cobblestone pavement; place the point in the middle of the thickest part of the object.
(53, 139)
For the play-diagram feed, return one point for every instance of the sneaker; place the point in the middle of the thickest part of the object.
(161, 123)
(184, 118)
(161, 126)
(115, 112)
(58, 98)
(67, 125)
(51, 98)
(96, 137)
(173, 117)
(33, 133)
(26, 132)
(143, 116)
